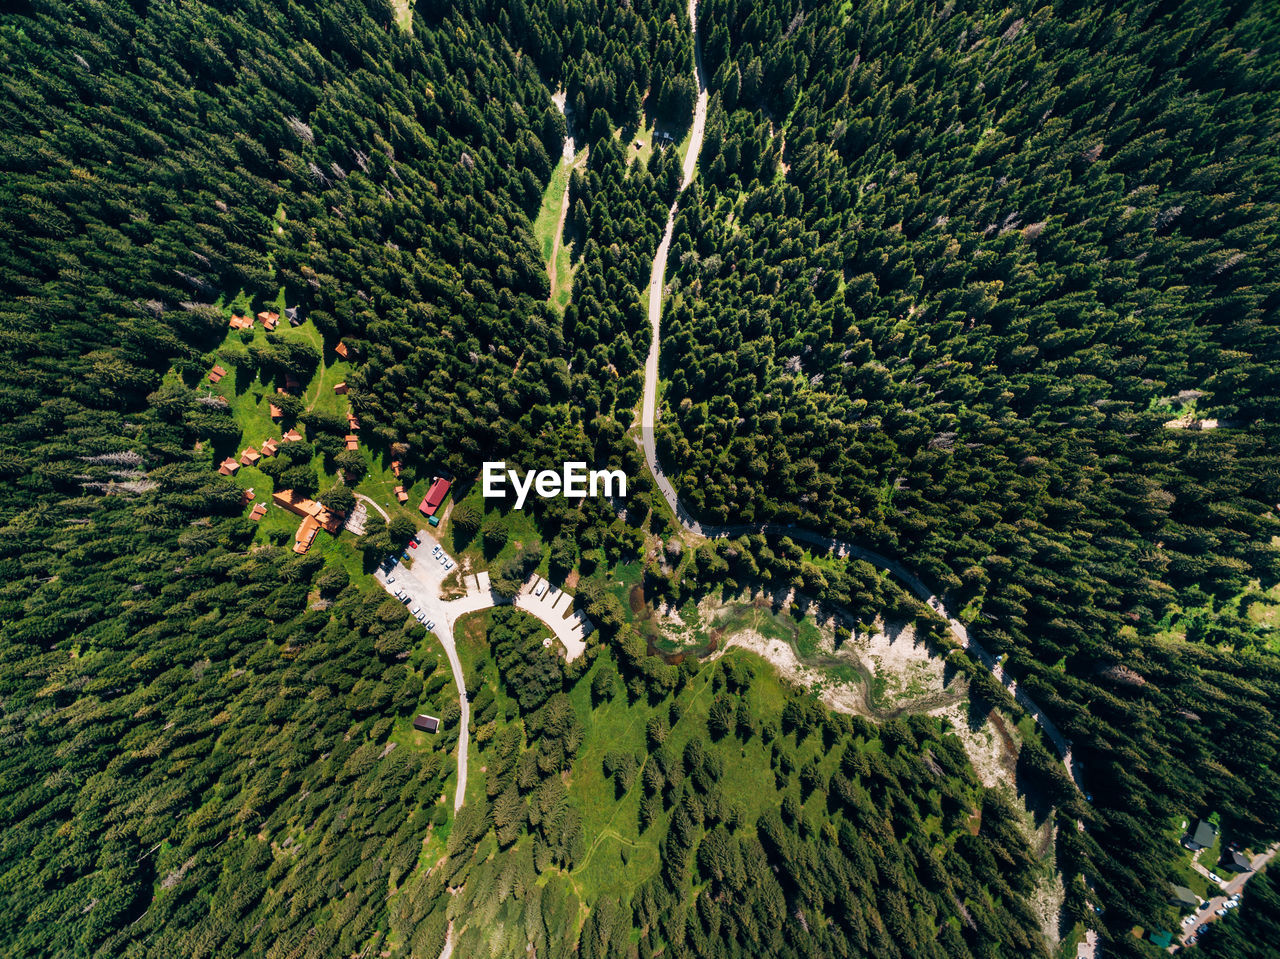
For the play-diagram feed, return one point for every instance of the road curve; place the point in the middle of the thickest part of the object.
(648, 420)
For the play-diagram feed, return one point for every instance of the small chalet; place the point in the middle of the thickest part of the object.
(353, 441)
(228, 467)
(241, 323)
(435, 496)
(249, 456)
(269, 447)
(246, 497)
(275, 411)
(293, 436)
(268, 319)
(1236, 862)
(427, 724)
(216, 374)
(293, 316)
(395, 468)
(258, 512)
(1182, 896)
(401, 495)
(341, 350)
(353, 423)
(340, 388)
(1203, 836)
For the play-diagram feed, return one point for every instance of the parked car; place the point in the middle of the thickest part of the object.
(1215, 877)
(431, 624)
(1189, 920)
(1220, 912)
(1230, 904)
(1205, 905)
(413, 544)
(448, 566)
(539, 589)
(417, 610)
(422, 617)
(391, 579)
(399, 593)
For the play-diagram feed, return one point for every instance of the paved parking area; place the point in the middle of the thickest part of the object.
(422, 583)
(551, 607)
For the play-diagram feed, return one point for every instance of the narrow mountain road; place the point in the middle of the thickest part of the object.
(830, 544)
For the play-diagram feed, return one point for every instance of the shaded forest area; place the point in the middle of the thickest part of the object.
(1005, 306)
(203, 739)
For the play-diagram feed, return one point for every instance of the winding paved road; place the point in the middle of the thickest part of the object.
(648, 419)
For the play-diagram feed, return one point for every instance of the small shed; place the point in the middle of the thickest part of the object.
(293, 436)
(353, 441)
(401, 495)
(395, 468)
(269, 447)
(216, 374)
(340, 388)
(258, 512)
(249, 456)
(246, 497)
(274, 411)
(427, 724)
(228, 466)
(341, 350)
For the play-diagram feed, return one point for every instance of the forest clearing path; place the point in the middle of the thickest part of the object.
(370, 502)
(830, 544)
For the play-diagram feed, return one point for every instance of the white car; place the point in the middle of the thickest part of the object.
(417, 610)
(431, 624)
(539, 589)
(390, 580)
(448, 566)
(1221, 912)
(1230, 904)
(1189, 920)
(1236, 897)
(422, 617)
(399, 594)
(1215, 877)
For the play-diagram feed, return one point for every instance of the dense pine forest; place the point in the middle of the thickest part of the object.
(990, 289)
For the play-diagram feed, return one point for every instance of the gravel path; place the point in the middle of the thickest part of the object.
(648, 419)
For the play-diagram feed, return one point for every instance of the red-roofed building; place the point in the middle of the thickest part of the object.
(435, 496)
(353, 441)
(269, 319)
(341, 350)
(275, 411)
(241, 322)
(250, 456)
(353, 422)
(269, 447)
(228, 466)
(216, 374)
(340, 388)
(293, 436)
(246, 497)
(258, 512)
(401, 495)
(395, 468)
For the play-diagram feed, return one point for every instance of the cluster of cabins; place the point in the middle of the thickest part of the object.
(268, 318)
(314, 515)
